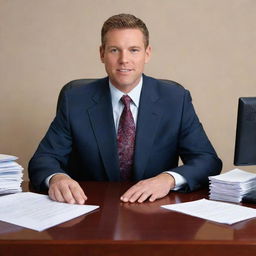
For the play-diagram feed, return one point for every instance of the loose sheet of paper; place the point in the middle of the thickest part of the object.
(37, 211)
(221, 212)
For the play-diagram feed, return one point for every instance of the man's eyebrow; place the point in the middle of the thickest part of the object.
(112, 46)
(135, 46)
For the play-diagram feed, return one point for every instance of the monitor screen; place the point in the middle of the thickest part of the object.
(245, 146)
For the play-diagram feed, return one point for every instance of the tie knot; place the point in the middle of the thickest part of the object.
(126, 100)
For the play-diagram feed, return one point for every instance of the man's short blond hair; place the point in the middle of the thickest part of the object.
(124, 21)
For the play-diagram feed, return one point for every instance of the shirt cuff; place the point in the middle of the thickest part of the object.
(180, 181)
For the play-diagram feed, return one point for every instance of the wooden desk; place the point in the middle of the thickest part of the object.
(131, 229)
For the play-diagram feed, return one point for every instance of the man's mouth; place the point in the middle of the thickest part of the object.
(124, 70)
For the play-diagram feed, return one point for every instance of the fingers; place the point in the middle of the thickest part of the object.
(153, 198)
(78, 193)
(152, 189)
(143, 197)
(64, 189)
(136, 193)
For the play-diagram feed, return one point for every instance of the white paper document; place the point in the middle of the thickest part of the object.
(38, 212)
(221, 212)
(6, 158)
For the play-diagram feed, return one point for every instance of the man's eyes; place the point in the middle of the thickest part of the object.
(113, 50)
(134, 50)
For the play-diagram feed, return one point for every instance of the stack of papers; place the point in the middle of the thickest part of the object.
(10, 175)
(232, 186)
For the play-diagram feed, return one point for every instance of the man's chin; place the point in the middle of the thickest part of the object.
(124, 85)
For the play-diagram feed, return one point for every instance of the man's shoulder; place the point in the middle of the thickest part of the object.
(165, 85)
(82, 90)
(82, 84)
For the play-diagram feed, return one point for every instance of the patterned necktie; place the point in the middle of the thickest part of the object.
(126, 140)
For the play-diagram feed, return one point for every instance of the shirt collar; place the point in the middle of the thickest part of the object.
(134, 94)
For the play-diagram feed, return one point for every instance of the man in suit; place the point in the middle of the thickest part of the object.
(88, 139)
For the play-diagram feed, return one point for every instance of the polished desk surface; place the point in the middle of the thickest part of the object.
(118, 228)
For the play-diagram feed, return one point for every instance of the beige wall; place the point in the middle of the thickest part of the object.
(207, 45)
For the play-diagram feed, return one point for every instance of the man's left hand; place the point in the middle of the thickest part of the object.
(152, 189)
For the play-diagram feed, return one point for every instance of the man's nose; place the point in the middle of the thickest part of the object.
(123, 57)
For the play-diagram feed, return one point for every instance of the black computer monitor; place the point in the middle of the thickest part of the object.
(245, 146)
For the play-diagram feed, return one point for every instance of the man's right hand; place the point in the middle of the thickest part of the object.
(64, 189)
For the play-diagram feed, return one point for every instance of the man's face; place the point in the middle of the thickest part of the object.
(124, 56)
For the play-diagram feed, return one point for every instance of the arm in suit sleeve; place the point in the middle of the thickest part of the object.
(195, 150)
(52, 154)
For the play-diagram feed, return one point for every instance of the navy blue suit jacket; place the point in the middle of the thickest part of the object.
(81, 141)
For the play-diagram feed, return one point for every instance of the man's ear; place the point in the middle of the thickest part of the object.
(102, 53)
(148, 53)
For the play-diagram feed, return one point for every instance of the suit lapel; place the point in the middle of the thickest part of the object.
(147, 122)
(101, 117)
